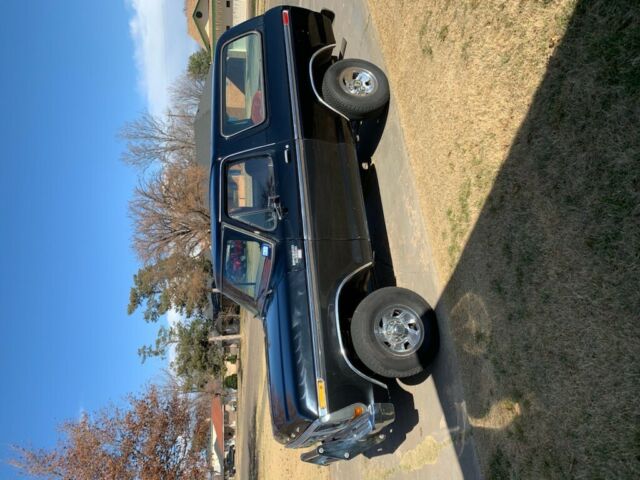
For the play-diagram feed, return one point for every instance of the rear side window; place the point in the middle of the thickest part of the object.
(243, 85)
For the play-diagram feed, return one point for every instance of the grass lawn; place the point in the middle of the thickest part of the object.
(522, 121)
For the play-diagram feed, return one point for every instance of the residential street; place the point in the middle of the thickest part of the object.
(251, 375)
(430, 438)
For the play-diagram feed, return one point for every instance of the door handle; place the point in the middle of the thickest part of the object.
(286, 154)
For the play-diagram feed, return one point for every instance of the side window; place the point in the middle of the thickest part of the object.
(251, 192)
(243, 89)
(247, 264)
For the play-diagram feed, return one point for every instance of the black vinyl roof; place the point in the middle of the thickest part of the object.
(202, 125)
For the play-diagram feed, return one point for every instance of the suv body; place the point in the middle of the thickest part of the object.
(290, 240)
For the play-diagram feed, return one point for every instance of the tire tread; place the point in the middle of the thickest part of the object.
(367, 347)
(354, 108)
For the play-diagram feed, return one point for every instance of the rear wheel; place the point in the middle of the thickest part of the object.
(356, 88)
(393, 331)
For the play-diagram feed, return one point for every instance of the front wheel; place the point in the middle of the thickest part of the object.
(356, 88)
(394, 332)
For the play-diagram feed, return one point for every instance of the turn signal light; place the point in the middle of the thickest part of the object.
(322, 398)
(358, 411)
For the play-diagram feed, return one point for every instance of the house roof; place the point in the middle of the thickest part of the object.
(192, 28)
(217, 438)
(201, 33)
(201, 22)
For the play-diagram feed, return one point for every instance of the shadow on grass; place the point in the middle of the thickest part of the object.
(544, 302)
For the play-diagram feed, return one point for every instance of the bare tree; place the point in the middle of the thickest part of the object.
(166, 139)
(170, 213)
(153, 139)
(186, 93)
(172, 382)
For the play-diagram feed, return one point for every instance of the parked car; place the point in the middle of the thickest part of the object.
(290, 239)
(230, 461)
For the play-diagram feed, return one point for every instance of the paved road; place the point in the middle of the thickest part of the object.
(252, 358)
(430, 438)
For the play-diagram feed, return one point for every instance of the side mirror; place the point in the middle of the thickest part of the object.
(276, 205)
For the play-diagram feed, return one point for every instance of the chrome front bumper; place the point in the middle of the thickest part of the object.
(344, 436)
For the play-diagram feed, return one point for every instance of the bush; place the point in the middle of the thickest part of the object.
(199, 64)
(231, 381)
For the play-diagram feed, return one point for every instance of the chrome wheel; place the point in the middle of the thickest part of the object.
(355, 89)
(399, 330)
(358, 81)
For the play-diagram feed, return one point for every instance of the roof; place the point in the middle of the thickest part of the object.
(192, 28)
(202, 125)
(217, 430)
(202, 134)
(200, 20)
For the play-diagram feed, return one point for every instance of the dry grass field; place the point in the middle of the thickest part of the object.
(522, 121)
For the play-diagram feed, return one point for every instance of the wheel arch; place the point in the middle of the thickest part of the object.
(319, 63)
(349, 293)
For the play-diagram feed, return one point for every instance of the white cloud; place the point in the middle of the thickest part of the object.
(173, 317)
(162, 47)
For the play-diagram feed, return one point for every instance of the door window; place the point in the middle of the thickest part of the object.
(247, 264)
(251, 192)
(242, 87)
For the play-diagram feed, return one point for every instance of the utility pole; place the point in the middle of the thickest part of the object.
(222, 338)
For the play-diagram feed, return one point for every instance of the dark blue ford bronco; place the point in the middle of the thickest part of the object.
(290, 240)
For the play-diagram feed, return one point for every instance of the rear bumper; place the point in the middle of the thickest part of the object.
(346, 437)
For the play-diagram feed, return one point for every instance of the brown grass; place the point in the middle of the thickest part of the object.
(522, 123)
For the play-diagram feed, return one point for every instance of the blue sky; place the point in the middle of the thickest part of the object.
(72, 73)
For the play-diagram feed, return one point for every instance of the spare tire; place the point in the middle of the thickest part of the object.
(356, 88)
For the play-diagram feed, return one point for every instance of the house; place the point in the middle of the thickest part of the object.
(233, 350)
(231, 368)
(231, 419)
(216, 445)
(208, 19)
